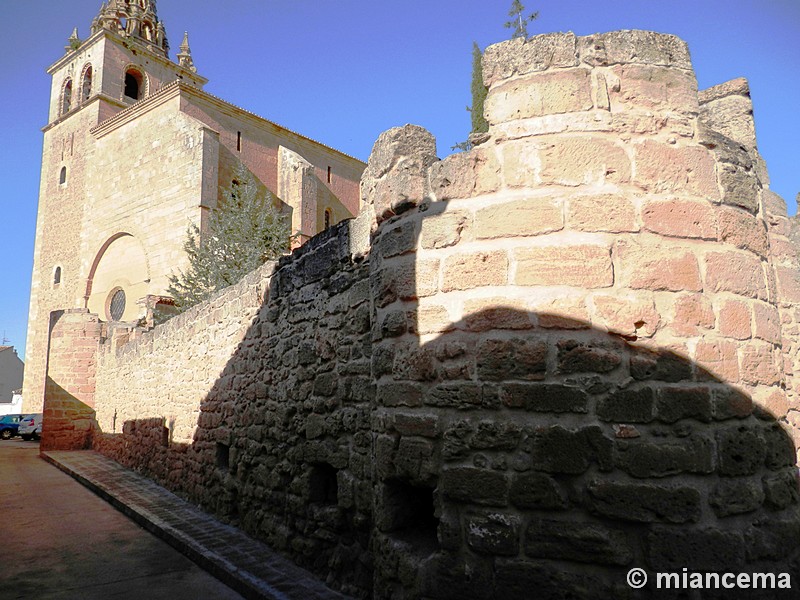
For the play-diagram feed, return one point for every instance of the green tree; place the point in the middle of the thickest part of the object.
(244, 231)
(519, 22)
(478, 89)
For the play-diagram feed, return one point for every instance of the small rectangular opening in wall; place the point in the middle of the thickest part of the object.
(239, 141)
(329, 174)
(410, 515)
(323, 486)
(223, 456)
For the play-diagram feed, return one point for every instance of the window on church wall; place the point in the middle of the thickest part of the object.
(86, 87)
(62, 176)
(134, 84)
(115, 306)
(328, 218)
(66, 97)
(56, 276)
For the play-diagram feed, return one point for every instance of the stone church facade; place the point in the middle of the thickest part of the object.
(134, 152)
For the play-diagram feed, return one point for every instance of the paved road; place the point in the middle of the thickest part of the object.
(60, 541)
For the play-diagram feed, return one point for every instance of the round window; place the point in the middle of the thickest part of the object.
(116, 306)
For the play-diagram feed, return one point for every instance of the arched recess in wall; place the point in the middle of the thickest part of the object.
(66, 97)
(121, 264)
(86, 82)
(134, 83)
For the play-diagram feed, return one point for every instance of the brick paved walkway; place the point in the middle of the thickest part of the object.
(248, 566)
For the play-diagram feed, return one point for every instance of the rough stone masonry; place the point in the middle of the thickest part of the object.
(532, 366)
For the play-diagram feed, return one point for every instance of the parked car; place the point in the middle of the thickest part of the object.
(9, 425)
(30, 427)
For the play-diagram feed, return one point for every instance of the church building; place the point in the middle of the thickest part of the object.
(134, 152)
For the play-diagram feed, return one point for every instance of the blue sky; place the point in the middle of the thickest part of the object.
(344, 71)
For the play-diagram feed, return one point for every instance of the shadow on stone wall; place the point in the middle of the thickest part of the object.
(514, 451)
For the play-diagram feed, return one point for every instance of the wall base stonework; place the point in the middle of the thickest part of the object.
(525, 369)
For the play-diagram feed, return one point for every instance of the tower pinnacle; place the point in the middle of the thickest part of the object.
(185, 54)
(136, 20)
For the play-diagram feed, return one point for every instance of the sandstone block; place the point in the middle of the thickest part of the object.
(601, 212)
(657, 267)
(574, 161)
(644, 503)
(560, 450)
(431, 318)
(693, 313)
(537, 491)
(720, 358)
(634, 47)
(758, 364)
(578, 356)
(532, 216)
(628, 406)
(740, 186)
(484, 314)
(788, 281)
(516, 358)
(644, 459)
(582, 542)
(680, 218)
(476, 269)
(781, 490)
(540, 94)
(475, 486)
(660, 365)
(743, 230)
(663, 168)
(741, 450)
(653, 88)
(465, 174)
(675, 403)
(628, 315)
(544, 397)
(520, 57)
(737, 272)
(563, 313)
(493, 533)
(733, 319)
(707, 549)
(581, 266)
(396, 173)
(446, 229)
(736, 497)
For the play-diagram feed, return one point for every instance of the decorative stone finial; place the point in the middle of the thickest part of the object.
(185, 54)
(73, 42)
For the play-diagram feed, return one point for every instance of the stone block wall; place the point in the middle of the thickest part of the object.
(531, 366)
(69, 391)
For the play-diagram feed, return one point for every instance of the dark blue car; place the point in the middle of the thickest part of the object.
(9, 425)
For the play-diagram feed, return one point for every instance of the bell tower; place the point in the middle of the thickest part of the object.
(124, 61)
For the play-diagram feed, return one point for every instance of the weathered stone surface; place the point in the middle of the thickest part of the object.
(396, 174)
(735, 497)
(644, 503)
(493, 533)
(559, 450)
(537, 491)
(582, 266)
(465, 174)
(656, 267)
(531, 216)
(544, 397)
(574, 161)
(582, 542)
(645, 459)
(675, 403)
(501, 359)
(634, 46)
(653, 88)
(602, 212)
(520, 57)
(680, 218)
(552, 92)
(663, 168)
(576, 356)
(445, 229)
(478, 486)
(628, 406)
(476, 269)
(741, 450)
(781, 490)
(706, 549)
